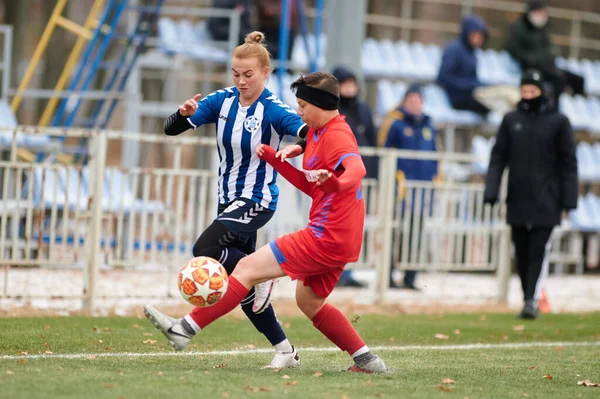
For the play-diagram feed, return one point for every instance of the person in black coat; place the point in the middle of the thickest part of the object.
(358, 115)
(537, 144)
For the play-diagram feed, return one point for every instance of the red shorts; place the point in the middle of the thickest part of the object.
(294, 253)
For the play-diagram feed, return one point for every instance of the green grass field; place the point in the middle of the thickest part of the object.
(419, 361)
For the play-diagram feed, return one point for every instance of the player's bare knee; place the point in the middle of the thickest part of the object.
(310, 306)
(245, 273)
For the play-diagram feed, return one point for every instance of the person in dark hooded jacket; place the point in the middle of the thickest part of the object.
(529, 43)
(458, 70)
(537, 144)
(358, 116)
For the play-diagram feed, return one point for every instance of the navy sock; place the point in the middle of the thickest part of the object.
(266, 322)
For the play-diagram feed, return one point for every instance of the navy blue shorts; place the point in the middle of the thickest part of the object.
(243, 217)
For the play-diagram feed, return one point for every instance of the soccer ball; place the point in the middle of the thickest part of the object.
(202, 281)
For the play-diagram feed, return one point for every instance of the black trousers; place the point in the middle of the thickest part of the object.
(561, 79)
(531, 247)
(471, 104)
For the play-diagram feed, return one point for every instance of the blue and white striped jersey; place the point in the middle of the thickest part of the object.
(239, 131)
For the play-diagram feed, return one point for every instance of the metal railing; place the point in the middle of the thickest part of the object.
(97, 216)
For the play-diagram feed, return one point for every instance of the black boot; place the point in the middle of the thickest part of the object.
(530, 310)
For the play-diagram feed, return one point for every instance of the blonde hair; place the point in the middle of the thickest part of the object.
(253, 47)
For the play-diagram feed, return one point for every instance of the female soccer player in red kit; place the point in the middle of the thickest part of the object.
(317, 254)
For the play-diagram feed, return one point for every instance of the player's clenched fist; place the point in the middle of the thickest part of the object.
(189, 107)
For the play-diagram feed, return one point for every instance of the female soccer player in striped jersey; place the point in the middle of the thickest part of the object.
(246, 116)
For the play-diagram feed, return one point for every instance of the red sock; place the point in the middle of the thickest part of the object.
(337, 328)
(236, 292)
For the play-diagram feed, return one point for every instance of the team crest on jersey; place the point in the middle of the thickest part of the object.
(408, 131)
(252, 124)
(427, 134)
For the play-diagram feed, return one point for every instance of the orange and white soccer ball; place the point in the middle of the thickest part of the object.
(202, 281)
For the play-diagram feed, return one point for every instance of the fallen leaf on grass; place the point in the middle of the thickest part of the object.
(443, 388)
(219, 366)
(108, 385)
(547, 377)
(22, 361)
(457, 332)
(257, 389)
(518, 327)
(159, 373)
(150, 341)
(559, 348)
(47, 352)
(295, 382)
(344, 396)
(60, 368)
(588, 383)
(525, 395)
(9, 372)
(22, 353)
(135, 326)
(147, 334)
(108, 348)
(355, 319)
(100, 341)
(532, 367)
(441, 336)
(317, 374)
(46, 327)
(91, 357)
(206, 372)
(225, 395)
(448, 381)
(482, 317)
(102, 329)
(286, 377)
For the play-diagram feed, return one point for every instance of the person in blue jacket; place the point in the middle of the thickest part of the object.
(458, 69)
(408, 128)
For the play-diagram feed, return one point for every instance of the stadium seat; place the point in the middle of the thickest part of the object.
(119, 196)
(59, 188)
(183, 37)
(481, 148)
(168, 37)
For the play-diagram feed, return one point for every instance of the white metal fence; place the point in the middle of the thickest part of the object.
(97, 216)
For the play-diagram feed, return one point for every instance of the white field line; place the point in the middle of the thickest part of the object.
(309, 349)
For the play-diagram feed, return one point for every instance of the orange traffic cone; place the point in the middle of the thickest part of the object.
(544, 303)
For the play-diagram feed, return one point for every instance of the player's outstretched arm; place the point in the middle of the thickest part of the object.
(290, 173)
(354, 171)
(178, 122)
